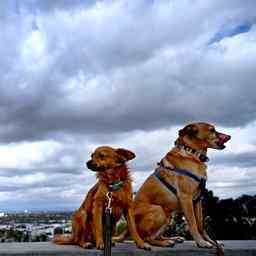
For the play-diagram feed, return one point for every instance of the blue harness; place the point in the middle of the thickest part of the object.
(201, 181)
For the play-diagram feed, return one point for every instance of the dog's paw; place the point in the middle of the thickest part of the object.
(179, 239)
(204, 244)
(167, 243)
(100, 245)
(87, 245)
(170, 243)
(176, 239)
(144, 246)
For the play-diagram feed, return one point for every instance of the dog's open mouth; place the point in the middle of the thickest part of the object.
(222, 139)
(220, 144)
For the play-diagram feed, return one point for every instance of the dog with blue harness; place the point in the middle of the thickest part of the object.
(177, 185)
(201, 180)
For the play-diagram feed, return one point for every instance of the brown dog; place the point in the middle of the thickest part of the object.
(176, 185)
(112, 172)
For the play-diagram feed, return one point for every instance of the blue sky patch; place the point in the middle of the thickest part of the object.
(242, 28)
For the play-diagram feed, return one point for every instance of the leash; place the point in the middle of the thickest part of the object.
(107, 232)
(219, 247)
(108, 226)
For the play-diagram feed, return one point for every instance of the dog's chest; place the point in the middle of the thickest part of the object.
(119, 202)
(119, 199)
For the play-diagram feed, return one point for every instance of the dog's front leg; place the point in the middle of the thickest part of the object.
(132, 229)
(200, 222)
(186, 202)
(97, 221)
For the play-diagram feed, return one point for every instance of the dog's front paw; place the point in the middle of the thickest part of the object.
(179, 239)
(87, 245)
(100, 244)
(168, 243)
(144, 246)
(204, 244)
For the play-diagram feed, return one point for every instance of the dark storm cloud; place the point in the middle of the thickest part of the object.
(14, 172)
(243, 160)
(138, 98)
(109, 80)
(48, 184)
(118, 73)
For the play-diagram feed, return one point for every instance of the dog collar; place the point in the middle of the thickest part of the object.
(115, 185)
(202, 157)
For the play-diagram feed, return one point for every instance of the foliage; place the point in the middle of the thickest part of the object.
(228, 219)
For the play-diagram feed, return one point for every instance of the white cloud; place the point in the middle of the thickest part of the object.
(27, 154)
(123, 73)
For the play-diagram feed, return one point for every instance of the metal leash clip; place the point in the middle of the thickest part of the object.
(107, 233)
(109, 197)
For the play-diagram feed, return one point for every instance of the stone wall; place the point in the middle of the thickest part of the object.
(234, 248)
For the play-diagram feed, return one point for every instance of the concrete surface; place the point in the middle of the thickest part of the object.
(188, 248)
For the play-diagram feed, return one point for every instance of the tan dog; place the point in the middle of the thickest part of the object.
(176, 185)
(87, 226)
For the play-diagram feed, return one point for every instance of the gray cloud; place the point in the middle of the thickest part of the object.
(244, 160)
(82, 84)
(90, 74)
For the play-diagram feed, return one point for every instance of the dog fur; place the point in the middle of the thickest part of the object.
(154, 203)
(87, 226)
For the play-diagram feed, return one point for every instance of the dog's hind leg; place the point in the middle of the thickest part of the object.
(152, 224)
(161, 243)
(176, 239)
(121, 237)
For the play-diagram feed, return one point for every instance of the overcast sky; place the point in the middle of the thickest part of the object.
(130, 73)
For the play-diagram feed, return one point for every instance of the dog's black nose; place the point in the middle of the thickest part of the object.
(91, 165)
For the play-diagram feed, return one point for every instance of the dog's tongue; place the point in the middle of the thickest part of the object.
(223, 137)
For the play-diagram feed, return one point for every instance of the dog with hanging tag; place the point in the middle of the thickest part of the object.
(113, 192)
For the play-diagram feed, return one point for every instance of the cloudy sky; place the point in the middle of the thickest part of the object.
(78, 74)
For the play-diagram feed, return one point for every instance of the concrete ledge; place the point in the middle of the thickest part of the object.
(188, 248)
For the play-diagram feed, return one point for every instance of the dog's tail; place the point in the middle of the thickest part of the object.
(63, 239)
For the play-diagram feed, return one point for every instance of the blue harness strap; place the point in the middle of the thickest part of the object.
(162, 180)
(201, 181)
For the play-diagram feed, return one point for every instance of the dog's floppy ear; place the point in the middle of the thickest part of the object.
(126, 154)
(190, 130)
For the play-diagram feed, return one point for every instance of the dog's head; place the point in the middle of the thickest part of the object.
(202, 136)
(105, 158)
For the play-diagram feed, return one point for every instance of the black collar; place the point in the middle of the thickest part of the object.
(202, 157)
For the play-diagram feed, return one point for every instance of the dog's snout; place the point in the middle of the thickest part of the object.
(91, 165)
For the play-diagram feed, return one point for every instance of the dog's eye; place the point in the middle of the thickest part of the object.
(102, 155)
(212, 129)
